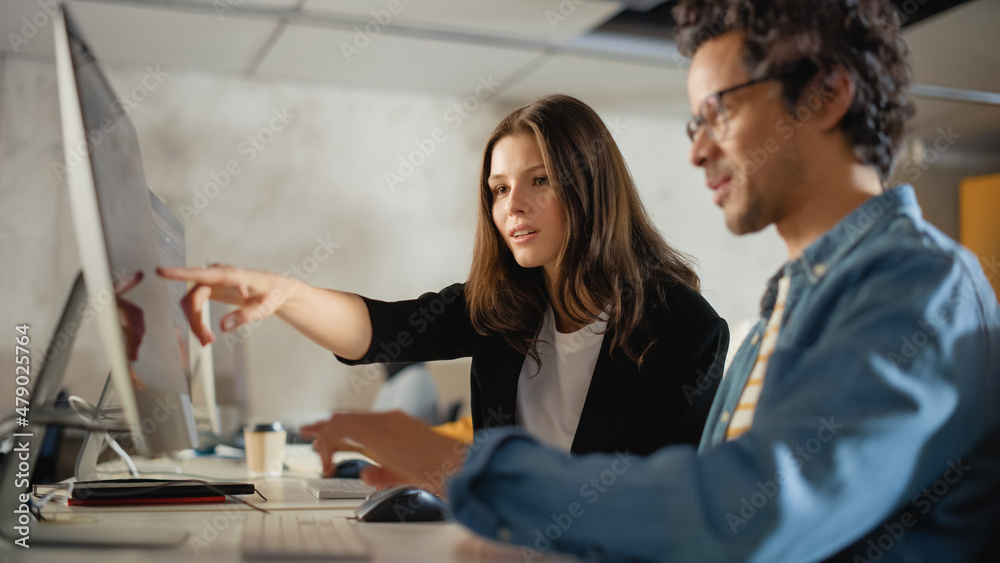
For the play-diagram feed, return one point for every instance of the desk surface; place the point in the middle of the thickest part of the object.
(215, 529)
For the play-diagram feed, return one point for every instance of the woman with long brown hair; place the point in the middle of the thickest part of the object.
(583, 324)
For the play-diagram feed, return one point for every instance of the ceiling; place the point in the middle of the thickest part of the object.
(606, 52)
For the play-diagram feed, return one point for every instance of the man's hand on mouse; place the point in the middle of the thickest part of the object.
(407, 449)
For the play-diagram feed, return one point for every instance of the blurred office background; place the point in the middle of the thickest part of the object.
(342, 139)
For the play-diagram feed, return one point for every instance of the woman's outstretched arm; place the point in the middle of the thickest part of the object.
(336, 320)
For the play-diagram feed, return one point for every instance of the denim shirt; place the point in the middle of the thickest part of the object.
(874, 438)
(872, 230)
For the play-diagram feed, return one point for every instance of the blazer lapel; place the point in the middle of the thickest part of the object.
(608, 387)
(502, 369)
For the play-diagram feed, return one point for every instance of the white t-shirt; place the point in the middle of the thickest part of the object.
(550, 401)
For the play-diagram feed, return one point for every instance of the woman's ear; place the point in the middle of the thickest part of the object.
(838, 95)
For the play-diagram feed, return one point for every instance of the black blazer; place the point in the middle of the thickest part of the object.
(628, 408)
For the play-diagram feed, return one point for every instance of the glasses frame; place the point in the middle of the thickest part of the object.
(696, 122)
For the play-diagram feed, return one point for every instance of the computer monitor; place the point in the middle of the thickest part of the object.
(229, 365)
(119, 251)
(17, 524)
(204, 379)
(121, 241)
(170, 240)
(198, 364)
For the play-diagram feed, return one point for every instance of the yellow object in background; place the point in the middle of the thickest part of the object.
(460, 430)
(979, 222)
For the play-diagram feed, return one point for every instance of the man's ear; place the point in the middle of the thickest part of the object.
(838, 95)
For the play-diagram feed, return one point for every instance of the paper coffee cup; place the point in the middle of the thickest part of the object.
(265, 444)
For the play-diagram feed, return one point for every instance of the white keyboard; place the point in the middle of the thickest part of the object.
(287, 537)
(339, 488)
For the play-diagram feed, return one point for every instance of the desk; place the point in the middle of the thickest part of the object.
(216, 528)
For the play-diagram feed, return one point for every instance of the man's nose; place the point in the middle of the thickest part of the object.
(703, 148)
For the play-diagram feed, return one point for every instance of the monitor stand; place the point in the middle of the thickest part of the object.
(93, 445)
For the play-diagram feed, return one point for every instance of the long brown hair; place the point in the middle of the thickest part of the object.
(611, 252)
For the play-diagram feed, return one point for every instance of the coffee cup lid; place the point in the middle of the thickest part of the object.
(266, 427)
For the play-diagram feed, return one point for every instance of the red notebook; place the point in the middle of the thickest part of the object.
(143, 501)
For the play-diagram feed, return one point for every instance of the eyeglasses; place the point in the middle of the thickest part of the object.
(712, 114)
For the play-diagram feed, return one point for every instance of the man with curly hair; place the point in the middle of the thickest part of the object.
(859, 419)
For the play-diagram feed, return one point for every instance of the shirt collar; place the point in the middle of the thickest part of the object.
(833, 245)
(872, 215)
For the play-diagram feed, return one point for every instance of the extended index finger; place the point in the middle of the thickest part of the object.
(211, 275)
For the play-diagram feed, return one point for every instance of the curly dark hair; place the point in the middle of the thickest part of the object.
(863, 36)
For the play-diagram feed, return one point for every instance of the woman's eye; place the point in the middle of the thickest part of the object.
(541, 181)
(500, 190)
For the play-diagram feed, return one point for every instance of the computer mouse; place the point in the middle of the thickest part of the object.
(349, 468)
(403, 503)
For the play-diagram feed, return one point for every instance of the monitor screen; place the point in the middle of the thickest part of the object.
(170, 239)
(117, 234)
(197, 358)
